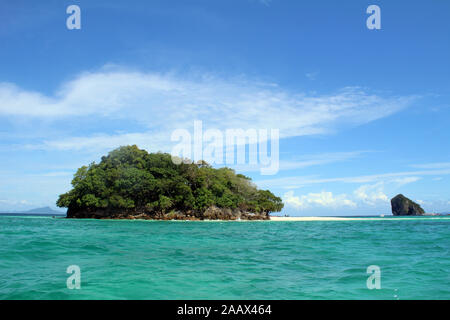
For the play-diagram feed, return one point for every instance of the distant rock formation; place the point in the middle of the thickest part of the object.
(45, 210)
(402, 206)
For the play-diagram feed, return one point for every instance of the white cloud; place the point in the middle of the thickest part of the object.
(323, 199)
(368, 194)
(371, 194)
(164, 102)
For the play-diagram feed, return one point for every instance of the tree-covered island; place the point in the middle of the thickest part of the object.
(130, 183)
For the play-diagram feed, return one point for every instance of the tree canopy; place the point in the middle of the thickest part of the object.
(131, 178)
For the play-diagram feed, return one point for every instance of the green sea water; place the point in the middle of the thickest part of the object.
(224, 260)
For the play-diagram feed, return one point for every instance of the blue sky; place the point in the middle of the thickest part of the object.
(363, 114)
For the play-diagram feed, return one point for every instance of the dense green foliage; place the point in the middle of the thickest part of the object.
(131, 178)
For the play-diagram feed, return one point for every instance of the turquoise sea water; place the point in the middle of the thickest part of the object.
(224, 260)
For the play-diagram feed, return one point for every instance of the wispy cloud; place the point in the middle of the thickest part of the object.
(433, 165)
(307, 161)
(319, 159)
(301, 181)
(312, 75)
(405, 180)
(14, 202)
(147, 140)
(265, 2)
(164, 102)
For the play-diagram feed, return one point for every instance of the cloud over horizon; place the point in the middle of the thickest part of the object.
(160, 103)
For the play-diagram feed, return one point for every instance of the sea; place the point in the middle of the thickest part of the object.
(45, 257)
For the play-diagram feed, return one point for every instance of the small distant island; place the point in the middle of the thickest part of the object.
(130, 183)
(44, 210)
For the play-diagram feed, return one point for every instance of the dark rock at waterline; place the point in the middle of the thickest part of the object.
(402, 206)
(211, 213)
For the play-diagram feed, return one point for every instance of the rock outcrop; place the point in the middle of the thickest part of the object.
(211, 213)
(402, 206)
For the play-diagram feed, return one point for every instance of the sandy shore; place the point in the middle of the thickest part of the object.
(388, 218)
(273, 218)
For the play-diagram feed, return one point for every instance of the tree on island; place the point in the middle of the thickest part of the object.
(130, 182)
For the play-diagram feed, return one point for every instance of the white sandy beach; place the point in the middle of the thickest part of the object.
(389, 218)
(274, 218)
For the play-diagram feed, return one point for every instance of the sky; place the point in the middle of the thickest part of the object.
(362, 114)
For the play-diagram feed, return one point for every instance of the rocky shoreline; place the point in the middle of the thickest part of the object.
(212, 213)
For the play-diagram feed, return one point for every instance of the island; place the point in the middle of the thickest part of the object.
(130, 183)
(44, 210)
(402, 206)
